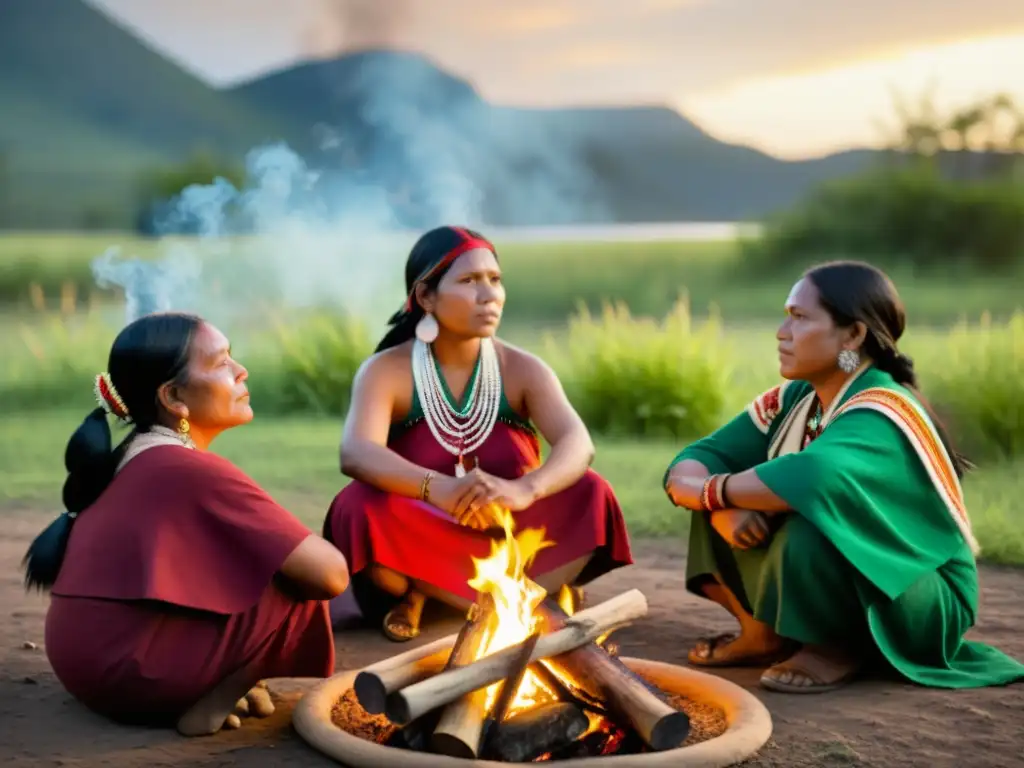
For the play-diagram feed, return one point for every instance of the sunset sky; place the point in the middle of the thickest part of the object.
(792, 77)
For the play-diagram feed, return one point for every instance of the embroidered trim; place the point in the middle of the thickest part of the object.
(765, 407)
(917, 428)
(794, 420)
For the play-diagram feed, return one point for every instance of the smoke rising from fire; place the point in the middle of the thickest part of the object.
(352, 25)
(331, 224)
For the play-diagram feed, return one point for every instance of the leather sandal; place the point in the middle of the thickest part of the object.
(817, 684)
(398, 626)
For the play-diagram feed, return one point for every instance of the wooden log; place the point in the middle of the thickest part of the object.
(606, 678)
(459, 730)
(373, 684)
(376, 681)
(530, 734)
(564, 693)
(415, 737)
(407, 704)
(511, 684)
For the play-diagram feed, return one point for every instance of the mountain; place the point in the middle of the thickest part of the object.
(88, 106)
(405, 123)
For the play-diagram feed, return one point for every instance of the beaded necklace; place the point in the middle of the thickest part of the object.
(458, 431)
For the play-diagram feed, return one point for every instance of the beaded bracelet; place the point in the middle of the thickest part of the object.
(425, 485)
(712, 496)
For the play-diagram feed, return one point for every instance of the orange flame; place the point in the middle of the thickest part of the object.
(502, 576)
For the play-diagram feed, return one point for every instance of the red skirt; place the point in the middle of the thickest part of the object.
(415, 539)
(148, 662)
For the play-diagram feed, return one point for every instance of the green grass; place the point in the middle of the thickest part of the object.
(545, 282)
(51, 357)
(295, 459)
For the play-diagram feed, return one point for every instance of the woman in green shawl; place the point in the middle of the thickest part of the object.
(829, 517)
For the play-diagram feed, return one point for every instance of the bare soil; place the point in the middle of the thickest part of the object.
(870, 723)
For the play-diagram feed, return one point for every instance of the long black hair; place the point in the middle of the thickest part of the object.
(854, 291)
(146, 354)
(429, 261)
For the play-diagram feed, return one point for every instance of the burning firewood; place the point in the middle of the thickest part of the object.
(459, 730)
(537, 731)
(375, 682)
(605, 678)
(522, 679)
(408, 703)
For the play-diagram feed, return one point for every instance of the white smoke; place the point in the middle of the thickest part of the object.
(429, 153)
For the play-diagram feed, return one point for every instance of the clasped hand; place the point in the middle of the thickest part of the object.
(741, 528)
(471, 499)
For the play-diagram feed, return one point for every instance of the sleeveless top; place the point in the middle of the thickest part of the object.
(506, 414)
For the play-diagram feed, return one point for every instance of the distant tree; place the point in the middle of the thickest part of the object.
(976, 140)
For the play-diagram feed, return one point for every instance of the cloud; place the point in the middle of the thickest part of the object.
(699, 45)
(529, 18)
(818, 112)
(588, 56)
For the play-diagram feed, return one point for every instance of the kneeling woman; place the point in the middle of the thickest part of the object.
(439, 429)
(829, 516)
(177, 583)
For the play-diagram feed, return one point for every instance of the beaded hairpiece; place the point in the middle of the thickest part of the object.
(109, 400)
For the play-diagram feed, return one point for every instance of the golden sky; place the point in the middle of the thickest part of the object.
(792, 77)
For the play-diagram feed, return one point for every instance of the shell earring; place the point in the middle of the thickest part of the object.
(427, 329)
(184, 430)
(849, 360)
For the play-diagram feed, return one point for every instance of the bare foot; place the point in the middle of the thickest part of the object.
(260, 703)
(813, 669)
(743, 649)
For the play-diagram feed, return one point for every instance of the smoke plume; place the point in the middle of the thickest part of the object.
(405, 148)
(352, 25)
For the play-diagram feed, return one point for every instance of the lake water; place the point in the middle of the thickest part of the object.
(676, 231)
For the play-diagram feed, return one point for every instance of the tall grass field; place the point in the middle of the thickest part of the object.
(656, 343)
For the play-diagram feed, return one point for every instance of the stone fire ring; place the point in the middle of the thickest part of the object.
(749, 727)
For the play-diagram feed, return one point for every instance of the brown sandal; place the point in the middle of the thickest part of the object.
(753, 659)
(398, 626)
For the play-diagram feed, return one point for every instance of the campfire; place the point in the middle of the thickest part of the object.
(525, 680)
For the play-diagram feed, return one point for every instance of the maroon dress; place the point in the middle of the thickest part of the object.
(170, 584)
(418, 540)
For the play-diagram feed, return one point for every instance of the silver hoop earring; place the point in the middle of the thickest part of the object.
(427, 329)
(849, 360)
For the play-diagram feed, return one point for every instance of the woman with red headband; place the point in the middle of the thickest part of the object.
(442, 427)
(177, 583)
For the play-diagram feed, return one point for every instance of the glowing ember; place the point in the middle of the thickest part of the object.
(502, 576)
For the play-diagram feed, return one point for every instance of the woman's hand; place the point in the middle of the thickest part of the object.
(513, 495)
(469, 499)
(741, 528)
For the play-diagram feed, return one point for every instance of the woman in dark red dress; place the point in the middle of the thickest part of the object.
(440, 428)
(177, 583)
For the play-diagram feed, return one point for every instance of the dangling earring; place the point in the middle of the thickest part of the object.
(427, 329)
(849, 360)
(184, 428)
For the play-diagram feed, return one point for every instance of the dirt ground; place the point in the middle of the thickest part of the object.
(876, 723)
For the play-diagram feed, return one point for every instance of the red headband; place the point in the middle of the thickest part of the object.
(468, 244)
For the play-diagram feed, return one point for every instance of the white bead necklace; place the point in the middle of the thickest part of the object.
(458, 432)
